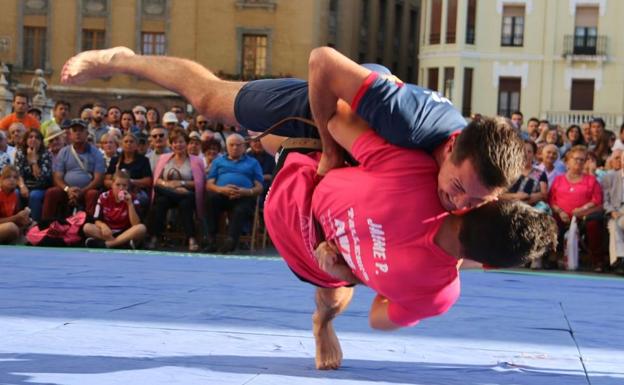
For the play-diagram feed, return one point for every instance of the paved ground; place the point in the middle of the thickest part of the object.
(72, 316)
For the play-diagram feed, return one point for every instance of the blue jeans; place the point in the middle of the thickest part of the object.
(35, 202)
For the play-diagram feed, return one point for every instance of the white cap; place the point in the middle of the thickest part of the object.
(170, 117)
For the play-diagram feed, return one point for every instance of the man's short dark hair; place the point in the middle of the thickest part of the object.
(62, 103)
(534, 119)
(21, 95)
(495, 149)
(507, 233)
(517, 113)
(544, 121)
(599, 121)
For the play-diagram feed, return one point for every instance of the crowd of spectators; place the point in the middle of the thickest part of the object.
(136, 175)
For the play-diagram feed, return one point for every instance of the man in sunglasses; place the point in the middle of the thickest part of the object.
(159, 144)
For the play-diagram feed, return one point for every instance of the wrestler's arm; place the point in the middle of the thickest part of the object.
(378, 315)
(345, 126)
(332, 76)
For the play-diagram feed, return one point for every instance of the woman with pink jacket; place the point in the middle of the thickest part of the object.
(178, 183)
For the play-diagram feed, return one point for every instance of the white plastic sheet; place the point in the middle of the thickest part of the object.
(571, 245)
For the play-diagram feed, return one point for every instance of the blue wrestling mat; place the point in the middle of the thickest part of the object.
(72, 316)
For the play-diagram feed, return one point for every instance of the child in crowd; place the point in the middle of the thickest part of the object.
(12, 219)
(117, 223)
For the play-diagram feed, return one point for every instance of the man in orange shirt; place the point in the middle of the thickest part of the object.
(20, 109)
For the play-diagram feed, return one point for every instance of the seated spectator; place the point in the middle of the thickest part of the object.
(578, 194)
(613, 190)
(592, 168)
(34, 163)
(211, 149)
(12, 219)
(233, 183)
(7, 152)
(532, 186)
(574, 137)
(153, 118)
(109, 147)
(602, 149)
(136, 165)
(533, 128)
(159, 146)
(116, 222)
(17, 132)
(78, 174)
(178, 183)
(55, 141)
(551, 165)
(194, 144)
(267, 164)
(142, 144)
(614, 163)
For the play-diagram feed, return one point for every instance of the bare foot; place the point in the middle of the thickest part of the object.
(328, 351)
(92, 64)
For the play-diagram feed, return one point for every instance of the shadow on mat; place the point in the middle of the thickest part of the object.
(24, 369)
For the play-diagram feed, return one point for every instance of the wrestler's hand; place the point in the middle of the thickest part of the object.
(330, 161)
(331, 262)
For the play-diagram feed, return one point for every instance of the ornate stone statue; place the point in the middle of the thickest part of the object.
(39, 85)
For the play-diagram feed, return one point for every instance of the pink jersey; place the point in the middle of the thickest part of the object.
(383, 215)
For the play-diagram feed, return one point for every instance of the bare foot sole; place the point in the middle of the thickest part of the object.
(328, 351)
(92, 64)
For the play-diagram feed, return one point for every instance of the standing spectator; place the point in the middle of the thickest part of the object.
(180, 114)
(78, 174)
(86, 114)
(12, 219)
(136, 165)
(98, 126)
(117, 223)
(574, 137)
(19, 114)
(586, 131)
(59, 116)
(578, 194)
(54, 141)
(233, 183)
(201, 123)
(139, 110)
(7, 152)
(143, 144)
(159, 146)
(619, 142)
(108, 147)
(602, 149)
(533, 128)
(613, 188)
(194, 144)
(127, 122)
(551, 164)
(141, 124)
(517, 120)
(153, 118)
(113, 115)
(178, 182)
(35, 165)
(596, 131)
(170, 121)
(35, 113)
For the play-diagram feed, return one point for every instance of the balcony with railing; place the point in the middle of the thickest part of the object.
(568, 118)
(585, 47)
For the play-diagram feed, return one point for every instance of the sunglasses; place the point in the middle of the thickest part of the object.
(202, 122)
(176, 111)
(158, 136)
